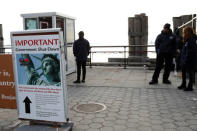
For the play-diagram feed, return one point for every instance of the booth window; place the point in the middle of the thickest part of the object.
(70, 31)
(31, 23)
(60, 23)
(45, 22)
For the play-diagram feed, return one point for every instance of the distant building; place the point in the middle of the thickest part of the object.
(1, 39)
(138, 34)
(179, 21)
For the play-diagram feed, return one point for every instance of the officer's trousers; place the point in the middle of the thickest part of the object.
(160, 60)
(81, 64)
(190, 71)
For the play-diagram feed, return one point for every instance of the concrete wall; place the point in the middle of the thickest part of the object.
(1, 39)
(138, 34)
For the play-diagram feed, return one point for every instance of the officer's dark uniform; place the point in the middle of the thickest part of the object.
(165, 45)
(81, 50)
(179, 46)
(188, 62)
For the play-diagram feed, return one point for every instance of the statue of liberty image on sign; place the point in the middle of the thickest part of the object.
(38, 69)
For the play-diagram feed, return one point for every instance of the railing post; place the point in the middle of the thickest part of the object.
(125, 57)
(90, 57)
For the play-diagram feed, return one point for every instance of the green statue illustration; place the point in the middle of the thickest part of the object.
(50, 67)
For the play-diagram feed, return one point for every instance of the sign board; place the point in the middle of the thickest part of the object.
(39, 69)
(7, 90)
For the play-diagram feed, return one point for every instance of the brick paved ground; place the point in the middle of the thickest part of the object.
(132, 105)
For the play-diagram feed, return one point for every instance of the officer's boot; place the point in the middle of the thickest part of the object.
(182, 86)
(189, 87)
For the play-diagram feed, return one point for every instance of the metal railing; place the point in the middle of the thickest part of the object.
(6, 49)
(191, 21)
(125, 51)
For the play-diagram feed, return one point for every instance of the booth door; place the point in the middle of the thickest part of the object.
(70, 38)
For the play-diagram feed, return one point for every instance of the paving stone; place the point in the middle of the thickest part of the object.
(133, 120)
(112, 114)
(184, 129)
(133, 125)
(91, 129)
(108, 123)
(110, 118)
(100, 115)
(76, 119)
(89, 116)
(95, 125)
(122, 117)
(164, 111)
(98, 120)
(133, 116)
(83, 127)
(166, 116)
(123, 113)
(167, 120)
(120, 122)
(192, 122)
(169, 126)
(79, 114)
(86, 121)
(193, 127)
(106, 129)
(130, 129)
(119, 127)
(181, 124)
(145, 128)
(155, 113)
(178, 118)
(144, 119)
(5, 123)
(157, 128)
(156, 117)
(170, 129)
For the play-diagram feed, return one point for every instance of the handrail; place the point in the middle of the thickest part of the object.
(5, 47)
(123, 46)
(116, 51)
(10, 47)
(187, 22)
(124, 51)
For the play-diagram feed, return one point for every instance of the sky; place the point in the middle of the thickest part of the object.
(105, 22)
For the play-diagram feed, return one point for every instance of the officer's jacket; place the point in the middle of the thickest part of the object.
(189, 52)
(165, 43)
(81, 49)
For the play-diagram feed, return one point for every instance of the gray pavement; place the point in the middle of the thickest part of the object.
(132, 105)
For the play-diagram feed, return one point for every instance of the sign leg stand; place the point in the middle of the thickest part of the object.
(43, 126)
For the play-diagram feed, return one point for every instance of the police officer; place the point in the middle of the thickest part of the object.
(165, 45)
(81, 50)
(188, 58)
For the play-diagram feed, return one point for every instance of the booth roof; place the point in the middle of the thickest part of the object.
(45, 14)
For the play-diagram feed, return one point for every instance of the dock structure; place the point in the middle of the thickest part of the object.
(138, 35)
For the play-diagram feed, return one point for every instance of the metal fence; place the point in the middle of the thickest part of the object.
(6, 50)
(124, 50)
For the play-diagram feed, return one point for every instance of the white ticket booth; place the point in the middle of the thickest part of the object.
(46, 20)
